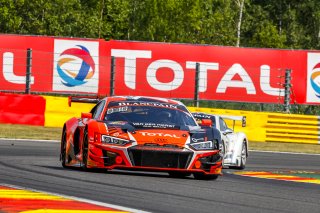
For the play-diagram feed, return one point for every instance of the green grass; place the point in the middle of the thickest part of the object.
(49, 133)
(29, 132)
(285, 147)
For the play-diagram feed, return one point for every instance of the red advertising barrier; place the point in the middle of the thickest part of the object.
(226, 73)
(58, 64)
(13, 58)
(77, 66)
(22, 109)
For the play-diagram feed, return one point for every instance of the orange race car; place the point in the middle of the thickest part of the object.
(141, 133)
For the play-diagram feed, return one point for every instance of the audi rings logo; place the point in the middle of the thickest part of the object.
(314, 80)
(71, 74)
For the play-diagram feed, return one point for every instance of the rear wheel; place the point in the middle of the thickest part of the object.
(85, 150)
(201, 176)
(243, 156)
(222, 149)
(63, 149)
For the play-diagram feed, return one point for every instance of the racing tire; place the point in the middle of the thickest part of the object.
(222, 150)
(179, 174)
(85, 149)
(243, 158)
(63, 151)
(201, 176)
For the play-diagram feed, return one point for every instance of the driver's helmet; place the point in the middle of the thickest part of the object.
(164, 116)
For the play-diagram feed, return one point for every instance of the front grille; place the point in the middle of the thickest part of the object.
(162, 157)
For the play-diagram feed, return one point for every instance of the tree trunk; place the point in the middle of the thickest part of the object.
(240, 4)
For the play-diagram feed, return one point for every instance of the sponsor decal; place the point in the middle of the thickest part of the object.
(155, 125)
(313, 78)
(159, 134)
(179, 70)
(8, 71)
(117, 122)
(196, 115)
(161, 140)
(76, 66)
(118, 109)
(172, 106)
(197, 139)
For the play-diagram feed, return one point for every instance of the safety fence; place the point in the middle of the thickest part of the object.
(33, 72)
(52, 111)
(56, 65)
(273, 127)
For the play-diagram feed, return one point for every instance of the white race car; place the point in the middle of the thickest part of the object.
(234, 144)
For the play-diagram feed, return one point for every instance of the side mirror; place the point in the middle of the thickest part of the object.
(86, 115)
(244, 121)
(228, 131)
(69, 101)
(206, 122)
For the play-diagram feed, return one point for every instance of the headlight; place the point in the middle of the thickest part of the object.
(206, 145)
(113, 140)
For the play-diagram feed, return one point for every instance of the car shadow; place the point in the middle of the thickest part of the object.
(117, 172)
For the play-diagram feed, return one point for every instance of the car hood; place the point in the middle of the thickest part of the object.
(170, 135)
(161, 137)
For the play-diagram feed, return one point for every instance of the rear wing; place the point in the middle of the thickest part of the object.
(92, 100)
(235, 118)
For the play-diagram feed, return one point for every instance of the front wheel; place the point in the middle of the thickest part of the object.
(201, 176)
(85, 150)
(63, 149)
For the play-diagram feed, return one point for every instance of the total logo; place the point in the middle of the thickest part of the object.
(152, 134)
(313, 78)
(73, 78)
(246, 82)
(76, 66)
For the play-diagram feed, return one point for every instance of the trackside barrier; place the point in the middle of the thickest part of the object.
(22, 109)
(261, 126)
(273, 127)
(292, 128)
(255, 121)
(58, 111)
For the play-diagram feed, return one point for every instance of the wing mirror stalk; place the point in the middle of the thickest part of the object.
(86, 115)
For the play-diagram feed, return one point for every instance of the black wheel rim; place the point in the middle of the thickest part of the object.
(244, 153)
(85, 149)
(63, 150)
(222, 150)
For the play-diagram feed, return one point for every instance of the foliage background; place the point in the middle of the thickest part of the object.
(291, 24)
(288, 24)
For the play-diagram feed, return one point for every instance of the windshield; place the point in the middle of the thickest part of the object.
(141, 115)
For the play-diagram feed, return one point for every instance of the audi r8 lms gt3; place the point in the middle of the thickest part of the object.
(234, 144)
(141, 133)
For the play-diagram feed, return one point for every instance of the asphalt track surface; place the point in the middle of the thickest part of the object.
(35, 165)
